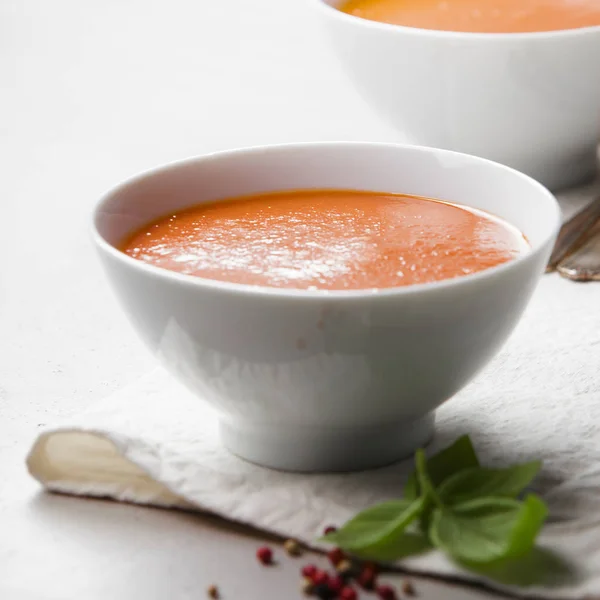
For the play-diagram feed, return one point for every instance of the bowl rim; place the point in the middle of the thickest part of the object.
(254, 290)
(331, 11)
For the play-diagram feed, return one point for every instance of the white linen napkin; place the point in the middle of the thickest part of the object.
(154, 443)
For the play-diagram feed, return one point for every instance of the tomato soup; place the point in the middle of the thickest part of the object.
(482, 16)
(327, 239)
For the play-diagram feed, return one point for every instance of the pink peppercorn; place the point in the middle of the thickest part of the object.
(265, 555)
(336, 584)
(330, 529)
(371, 566)
(348, 593)
(386, 592)
(309, 571)
(366, 578)
(320, 578)
(336, 556)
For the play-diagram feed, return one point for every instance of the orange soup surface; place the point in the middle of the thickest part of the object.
(327, 239)
(482, 16)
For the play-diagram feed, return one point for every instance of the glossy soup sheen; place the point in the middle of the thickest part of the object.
(326, 239)
(482, 16)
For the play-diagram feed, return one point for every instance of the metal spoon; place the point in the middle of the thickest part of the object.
(584, 263)
(572, 233)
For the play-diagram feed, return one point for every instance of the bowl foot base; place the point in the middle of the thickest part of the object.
(318, 450)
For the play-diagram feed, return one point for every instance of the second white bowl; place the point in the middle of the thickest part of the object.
(527, 100)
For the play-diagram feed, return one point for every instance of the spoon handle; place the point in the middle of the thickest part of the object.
(572, 232)
(584, 263)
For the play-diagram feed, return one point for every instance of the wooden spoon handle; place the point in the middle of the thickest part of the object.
(572, 232)
(584, 263)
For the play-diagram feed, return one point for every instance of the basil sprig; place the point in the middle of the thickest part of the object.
(474, 514)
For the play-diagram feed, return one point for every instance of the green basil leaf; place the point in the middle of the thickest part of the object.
(488, 529)
(376, 525)
(426, 486)
(481, 482)
(429, 495)
(540, 567)
(393, 548)
(460, 455)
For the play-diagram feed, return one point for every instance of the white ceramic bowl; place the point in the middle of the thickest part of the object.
(527, 100)
(317, 380)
